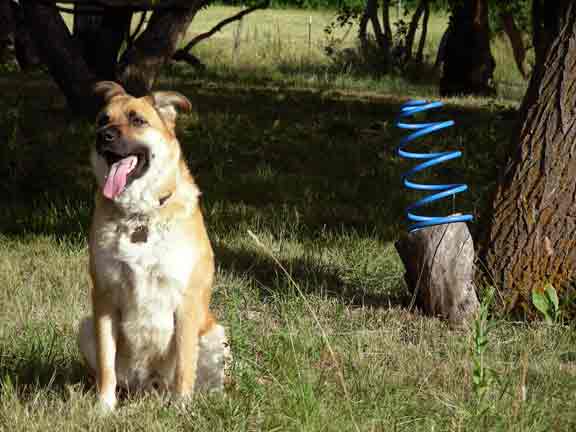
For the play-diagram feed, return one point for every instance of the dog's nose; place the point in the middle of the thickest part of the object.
(109, 135)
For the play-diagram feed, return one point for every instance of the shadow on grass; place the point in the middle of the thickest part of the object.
(311, 278)
(36, 358)
(332, 157)
(329, 156)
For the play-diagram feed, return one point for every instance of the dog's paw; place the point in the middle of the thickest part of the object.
(180, 401)
(214, 359)
(107, 403)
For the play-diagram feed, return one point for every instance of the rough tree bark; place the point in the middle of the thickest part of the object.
(468, 64)
(531, 237)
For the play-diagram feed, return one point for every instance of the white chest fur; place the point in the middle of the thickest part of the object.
(146, 270)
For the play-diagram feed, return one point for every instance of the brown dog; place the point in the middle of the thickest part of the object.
(151, 262)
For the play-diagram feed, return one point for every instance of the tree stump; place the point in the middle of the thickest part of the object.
(439, 264)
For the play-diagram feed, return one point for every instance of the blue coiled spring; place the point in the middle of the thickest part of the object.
(430, 159)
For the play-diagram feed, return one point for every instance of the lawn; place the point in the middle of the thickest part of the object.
(302, 198)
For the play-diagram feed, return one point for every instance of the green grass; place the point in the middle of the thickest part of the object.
(311, 171)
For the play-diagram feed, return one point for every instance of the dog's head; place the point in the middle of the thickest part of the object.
(135, 139)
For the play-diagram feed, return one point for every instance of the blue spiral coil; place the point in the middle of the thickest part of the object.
(430, 159)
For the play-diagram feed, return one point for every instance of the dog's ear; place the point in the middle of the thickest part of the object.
(169, 103)
(106, 90)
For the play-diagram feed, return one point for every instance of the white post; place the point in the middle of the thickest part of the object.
(309, 35)
(237, 38)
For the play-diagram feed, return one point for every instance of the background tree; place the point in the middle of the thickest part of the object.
(531, 237)
(513, 17)
(382, 32)
(102, 45)
(382, 47)
(7, 31)
(15, 38)
(422, 12)
(468, 61)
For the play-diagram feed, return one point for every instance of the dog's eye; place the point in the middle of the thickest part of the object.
(139, 122)
(136, 120)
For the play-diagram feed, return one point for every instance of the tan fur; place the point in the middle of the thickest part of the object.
(150, 299)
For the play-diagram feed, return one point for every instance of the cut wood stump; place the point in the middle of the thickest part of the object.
(439, 262)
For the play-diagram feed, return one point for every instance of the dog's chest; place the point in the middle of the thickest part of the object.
(147, 266)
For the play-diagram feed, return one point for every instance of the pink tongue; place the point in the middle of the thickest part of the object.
(116, 179)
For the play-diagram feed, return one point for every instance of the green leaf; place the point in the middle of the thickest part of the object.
(552, 296)
(541, 302)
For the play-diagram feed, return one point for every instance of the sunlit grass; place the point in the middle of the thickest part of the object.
(282, 46)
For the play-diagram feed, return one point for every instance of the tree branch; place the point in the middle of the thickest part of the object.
(132, 37)
(191, 59)
(134, 5)
(223, 23)
(97, 10)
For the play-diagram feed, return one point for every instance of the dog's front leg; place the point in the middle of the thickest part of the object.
(187, 329)
(106, 337)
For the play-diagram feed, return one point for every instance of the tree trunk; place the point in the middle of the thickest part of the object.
(378, 32)
(7, 32)
(382, 34)
(422, 43)
(531, 238)
(387, 28)
(441, 53)
(363, 29)
(411, 34)
(515, 37)
(25, 48)
(15, 40)
(101, 38)
(469, 64)
(140, 65)
(546, 22)
(7, 21)
(61, 54)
